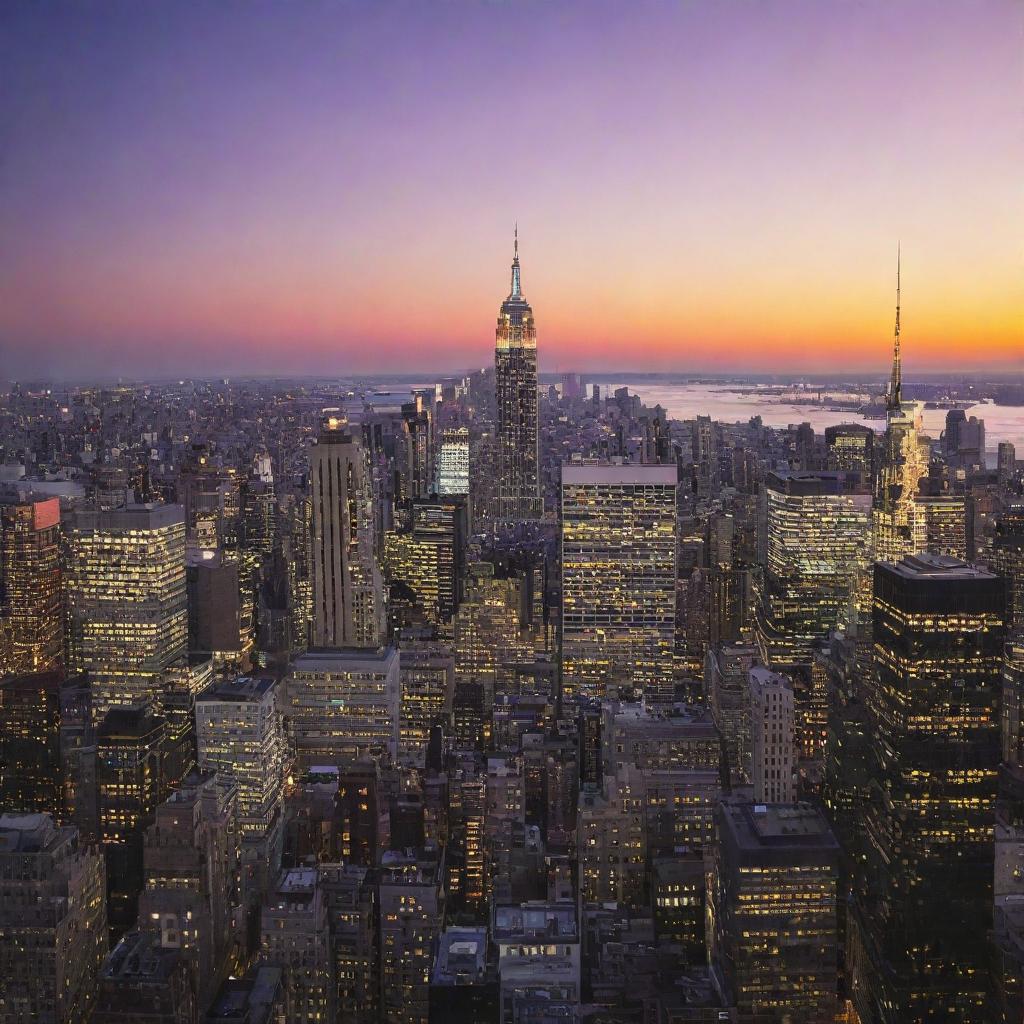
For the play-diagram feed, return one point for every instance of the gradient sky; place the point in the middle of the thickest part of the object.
(330, 187)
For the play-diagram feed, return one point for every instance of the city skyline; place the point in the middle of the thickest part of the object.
(332, 190)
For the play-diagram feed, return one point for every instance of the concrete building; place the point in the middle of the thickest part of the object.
(53, 921)
(344, 705)
(773, 737)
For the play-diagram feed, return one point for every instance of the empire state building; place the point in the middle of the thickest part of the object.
(515, 382)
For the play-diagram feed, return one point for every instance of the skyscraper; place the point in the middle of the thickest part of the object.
(899, 523)
(618, 579)
(348, 591)
(819, 542)
(453, 463)
(772, 737)
(127, 601)
(923, 879)
(515, 383)
(30, 584)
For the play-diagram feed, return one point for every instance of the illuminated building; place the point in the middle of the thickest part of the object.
(294, 937)
(772, 918)
(453, 463)
(427, 674)
(31, 612)
(189, 862)
(53, 921)
(31, 770)
(348, 591)
(418, 470)
(851, 449)
(239, 735)
(898, 523)
(818, 548)
(633, 734)
(923, 886)
(343, 705)
(1007, 558)
(489, 635)
(772, 737)
(465, 855)
(515, 385)
(351, 898)
(219, 623)
(258, 998)
(130, 785)
(612, 840)
(945, 524)
(430, 558)
(411, 918)
(127, 601)
(679, 885)
(618, 580)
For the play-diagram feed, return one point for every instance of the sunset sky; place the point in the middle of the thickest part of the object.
(329, 187)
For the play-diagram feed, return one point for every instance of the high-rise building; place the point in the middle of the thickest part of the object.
(31, 610)
(923, 876)
(53, 921)
(31, 769)
(295, 937)
(618, 579)
(489, 634)
(772, 737)
(427, 674)
(1007, 558)
(515, 383)
(453, 463)
(348, 590)
(898, 523)
(190, 858)
(127, 601)
(430, 557)
(772, 921)
(727, 692)
(411, 917)
(239, 735)
(851, 449)
(818, 548)
(343, 705)
(351, 898)
(1006, 461)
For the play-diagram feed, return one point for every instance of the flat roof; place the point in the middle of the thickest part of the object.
(616, 475)
(928, 566)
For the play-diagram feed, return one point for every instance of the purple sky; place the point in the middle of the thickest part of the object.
(330, 187)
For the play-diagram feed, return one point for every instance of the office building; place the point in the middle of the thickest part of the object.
(343, 705)
(453, 463)
(618, 580)
(818, 547)
(127, 601)
(350, 894)
(727, 692)
(53, 921)
(772, 924)
(31, 768)
(427, 677)
(144, 980)
(239, 735)
(31, 593)
(515, 385)
(348, 590)
(851, 450)
(464, 980)
(924, 884)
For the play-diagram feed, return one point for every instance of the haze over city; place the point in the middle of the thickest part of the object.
(332, 188)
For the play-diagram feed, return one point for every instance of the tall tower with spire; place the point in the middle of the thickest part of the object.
(515, 383)
(900, 527)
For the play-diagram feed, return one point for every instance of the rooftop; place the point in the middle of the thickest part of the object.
(938, 567)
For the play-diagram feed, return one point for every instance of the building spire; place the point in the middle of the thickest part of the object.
(516, 286)
(896, 380)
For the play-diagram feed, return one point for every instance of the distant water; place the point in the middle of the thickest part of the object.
(684, 401)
